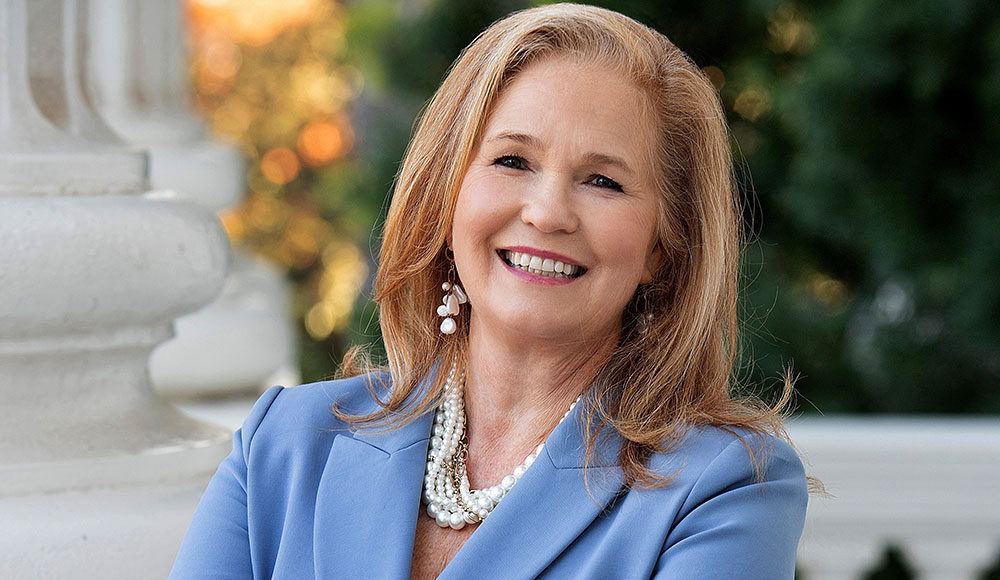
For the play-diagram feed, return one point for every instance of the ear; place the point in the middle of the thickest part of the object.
(653, 262)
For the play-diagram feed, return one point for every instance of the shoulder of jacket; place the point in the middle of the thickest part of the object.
(738, 453)
(311, 405)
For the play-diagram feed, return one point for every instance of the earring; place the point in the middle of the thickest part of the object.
(452, 298)
(644, 320)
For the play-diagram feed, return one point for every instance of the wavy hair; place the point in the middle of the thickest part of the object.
(674, 364)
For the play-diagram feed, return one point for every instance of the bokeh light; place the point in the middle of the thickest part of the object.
(789, 31)
(280, 165)
(323, 141)
(752, 103)
(271, 76)
(256, 22)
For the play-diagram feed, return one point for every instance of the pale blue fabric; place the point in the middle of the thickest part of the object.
(302, 497)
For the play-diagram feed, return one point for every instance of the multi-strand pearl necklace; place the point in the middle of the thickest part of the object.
(449, 499)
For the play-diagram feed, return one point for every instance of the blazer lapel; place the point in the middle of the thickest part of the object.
(548, 508)
(368, 501)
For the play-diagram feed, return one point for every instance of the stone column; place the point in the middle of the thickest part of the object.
(243, 341)
(98, 477)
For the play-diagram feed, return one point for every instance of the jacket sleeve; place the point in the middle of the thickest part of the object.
(217, 543)
(735, 525)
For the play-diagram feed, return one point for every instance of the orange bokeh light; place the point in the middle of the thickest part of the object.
(252, 23)
(280, 165)
(323, 141)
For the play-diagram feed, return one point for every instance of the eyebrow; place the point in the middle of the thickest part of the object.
(523, 138)
(592, 157)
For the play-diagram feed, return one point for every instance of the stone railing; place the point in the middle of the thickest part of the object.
(110, 246)
(927, 485)
(137, 74)
(98, 476)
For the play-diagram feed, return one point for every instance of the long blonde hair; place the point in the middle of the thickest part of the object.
(674, 365)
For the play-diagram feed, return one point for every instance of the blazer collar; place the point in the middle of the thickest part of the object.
(383, 471)
(368, 502)
(550, 506)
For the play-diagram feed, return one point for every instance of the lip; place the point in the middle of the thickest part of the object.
(535, 277)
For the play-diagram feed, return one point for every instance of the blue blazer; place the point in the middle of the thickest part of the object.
(300, 496)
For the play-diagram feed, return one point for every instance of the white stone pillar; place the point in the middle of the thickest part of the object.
(98, 477)
(243, 341)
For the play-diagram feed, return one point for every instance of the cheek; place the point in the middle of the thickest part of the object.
(483, 205)
(631, 240)
(475, 219)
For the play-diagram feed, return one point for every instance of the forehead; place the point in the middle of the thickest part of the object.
(576, 100)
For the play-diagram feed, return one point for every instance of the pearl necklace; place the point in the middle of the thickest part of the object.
(449, 499)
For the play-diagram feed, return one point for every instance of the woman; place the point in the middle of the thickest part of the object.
(569, 193)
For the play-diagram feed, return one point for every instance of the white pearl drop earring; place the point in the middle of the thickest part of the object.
(452, 298)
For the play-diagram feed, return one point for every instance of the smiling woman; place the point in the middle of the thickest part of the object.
(551, 181)
(569, 192)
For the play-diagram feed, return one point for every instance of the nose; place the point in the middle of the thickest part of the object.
(548, 206)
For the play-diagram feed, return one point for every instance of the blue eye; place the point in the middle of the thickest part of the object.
(511, 161)
(605, 182)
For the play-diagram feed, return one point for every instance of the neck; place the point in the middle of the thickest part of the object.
(516, 393)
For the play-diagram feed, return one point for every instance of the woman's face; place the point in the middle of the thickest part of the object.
(555, 222)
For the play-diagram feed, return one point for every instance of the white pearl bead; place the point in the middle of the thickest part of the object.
(451, 306)
(448, 326)
(459, 507)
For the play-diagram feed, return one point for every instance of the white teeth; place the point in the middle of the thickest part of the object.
(541, 266)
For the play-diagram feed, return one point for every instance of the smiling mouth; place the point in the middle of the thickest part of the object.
(540, 266)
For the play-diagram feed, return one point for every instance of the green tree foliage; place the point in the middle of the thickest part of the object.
(867, 135)
(881, 191)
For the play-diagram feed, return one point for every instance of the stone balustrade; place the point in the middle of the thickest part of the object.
(928, 485)
(244, 340)
(97, 475)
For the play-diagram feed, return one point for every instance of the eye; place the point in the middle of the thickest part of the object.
(604, 182)
(511, 162)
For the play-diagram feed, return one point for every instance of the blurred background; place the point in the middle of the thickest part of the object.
(866, 134)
